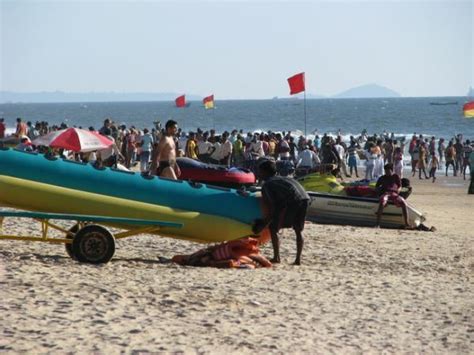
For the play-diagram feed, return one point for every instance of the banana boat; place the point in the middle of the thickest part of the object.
(34, 182)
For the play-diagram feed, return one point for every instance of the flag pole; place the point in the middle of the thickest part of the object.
(213, 118)
(304, 105)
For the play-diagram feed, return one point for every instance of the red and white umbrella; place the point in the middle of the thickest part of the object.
(75, 139)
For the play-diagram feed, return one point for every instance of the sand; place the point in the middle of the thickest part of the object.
(359, 290)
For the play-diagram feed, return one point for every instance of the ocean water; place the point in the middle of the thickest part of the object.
(403, 116)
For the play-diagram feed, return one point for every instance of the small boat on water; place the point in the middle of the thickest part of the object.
(444, 103)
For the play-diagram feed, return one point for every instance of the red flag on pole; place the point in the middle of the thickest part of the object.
(180, 101)
(296, 83)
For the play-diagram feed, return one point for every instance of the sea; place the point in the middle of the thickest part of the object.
(430, 116)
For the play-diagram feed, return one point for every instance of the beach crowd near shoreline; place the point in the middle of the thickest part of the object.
(425, 156)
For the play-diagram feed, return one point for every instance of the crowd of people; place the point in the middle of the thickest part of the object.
(236, 148)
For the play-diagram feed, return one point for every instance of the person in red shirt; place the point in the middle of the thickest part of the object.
(2, 128)
(389, 186)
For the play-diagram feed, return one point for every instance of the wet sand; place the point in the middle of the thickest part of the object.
(358, 290)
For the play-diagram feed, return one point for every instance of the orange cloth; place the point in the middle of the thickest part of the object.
(234, 254)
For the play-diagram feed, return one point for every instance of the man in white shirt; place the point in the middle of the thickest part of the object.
(342, 156)
(256, 148)
(205, 149)
(308, 159)
(226, 150)
(146, 145)
(216, 155)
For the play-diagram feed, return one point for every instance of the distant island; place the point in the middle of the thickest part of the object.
(364, 91)
(360, 92)
(60, 96)
(367, 91)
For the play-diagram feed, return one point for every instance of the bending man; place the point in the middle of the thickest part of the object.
(286, 202)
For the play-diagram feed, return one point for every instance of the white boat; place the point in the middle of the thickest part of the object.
(357, 211)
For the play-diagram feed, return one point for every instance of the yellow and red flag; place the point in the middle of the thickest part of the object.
(180, 101)
(297, 83)
(208, 102)
(469, 109)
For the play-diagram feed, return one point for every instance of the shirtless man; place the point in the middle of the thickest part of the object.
(167, 153)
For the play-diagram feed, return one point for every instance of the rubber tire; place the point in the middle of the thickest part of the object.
(68, 247)
(93, 244)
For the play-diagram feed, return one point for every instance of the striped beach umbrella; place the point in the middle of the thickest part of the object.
(75, 139)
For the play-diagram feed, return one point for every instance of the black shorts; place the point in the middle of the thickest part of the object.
(290, 216)
(163, 165)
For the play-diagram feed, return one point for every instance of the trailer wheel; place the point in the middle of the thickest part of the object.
(68, 247)
(93, 244)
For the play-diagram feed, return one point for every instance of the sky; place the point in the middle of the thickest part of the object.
(237, 49)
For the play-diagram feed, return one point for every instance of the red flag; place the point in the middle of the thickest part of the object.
(180, 101)
(296, 83)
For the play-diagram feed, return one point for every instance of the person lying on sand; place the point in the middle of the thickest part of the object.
(388, 187)
(286, 202)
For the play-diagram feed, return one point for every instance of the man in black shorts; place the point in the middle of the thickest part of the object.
(287, 202)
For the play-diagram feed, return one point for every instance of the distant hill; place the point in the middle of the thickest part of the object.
(364, 91)
(59, 96)
(367, 91)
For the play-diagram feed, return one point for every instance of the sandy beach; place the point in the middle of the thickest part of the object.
(359, 290)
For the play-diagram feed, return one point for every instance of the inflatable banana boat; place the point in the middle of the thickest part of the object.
(34, 182)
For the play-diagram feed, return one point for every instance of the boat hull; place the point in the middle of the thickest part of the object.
(357, 211)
